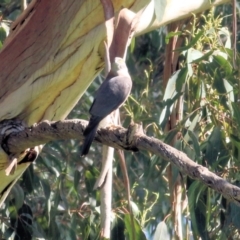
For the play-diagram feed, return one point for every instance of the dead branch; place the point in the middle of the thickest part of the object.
(118, 137)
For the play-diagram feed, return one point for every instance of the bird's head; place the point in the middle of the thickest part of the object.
(118, 64)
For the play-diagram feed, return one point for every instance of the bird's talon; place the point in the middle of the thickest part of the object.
(113, 127)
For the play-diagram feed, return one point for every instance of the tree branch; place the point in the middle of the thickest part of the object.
(118, 137)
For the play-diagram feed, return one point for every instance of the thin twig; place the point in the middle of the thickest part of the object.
(234, 37)
(127, 185)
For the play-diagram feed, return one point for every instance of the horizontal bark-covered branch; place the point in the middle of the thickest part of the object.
(132, 139)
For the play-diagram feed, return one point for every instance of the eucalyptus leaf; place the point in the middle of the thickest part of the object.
(161, 232)
(170, 95)
(46, 188)
(193, 42)
(181, 79)
(197, 208)
(195, 143)
(77, 176)
(134, 232)
(223, 64)
(236, 112)
(3, 34)
(192, 55)
(170, 35)
(18, 194)
(224, 31)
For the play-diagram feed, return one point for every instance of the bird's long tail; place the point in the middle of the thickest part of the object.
(89, 134)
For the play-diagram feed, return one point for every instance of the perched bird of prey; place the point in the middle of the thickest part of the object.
(111, 95)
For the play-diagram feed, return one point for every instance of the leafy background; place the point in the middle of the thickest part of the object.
(55, 198)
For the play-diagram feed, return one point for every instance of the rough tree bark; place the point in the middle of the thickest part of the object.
(132, 139)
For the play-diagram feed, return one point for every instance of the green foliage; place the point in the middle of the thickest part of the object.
(2, 36)
(211, 119)
(137, 233)
(10, 9)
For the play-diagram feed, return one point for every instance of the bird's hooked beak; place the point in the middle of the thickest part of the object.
(118, 64)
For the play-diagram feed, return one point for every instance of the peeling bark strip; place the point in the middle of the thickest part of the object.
(132, 138)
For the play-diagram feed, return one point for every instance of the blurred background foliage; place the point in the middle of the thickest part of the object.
(55, 198)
